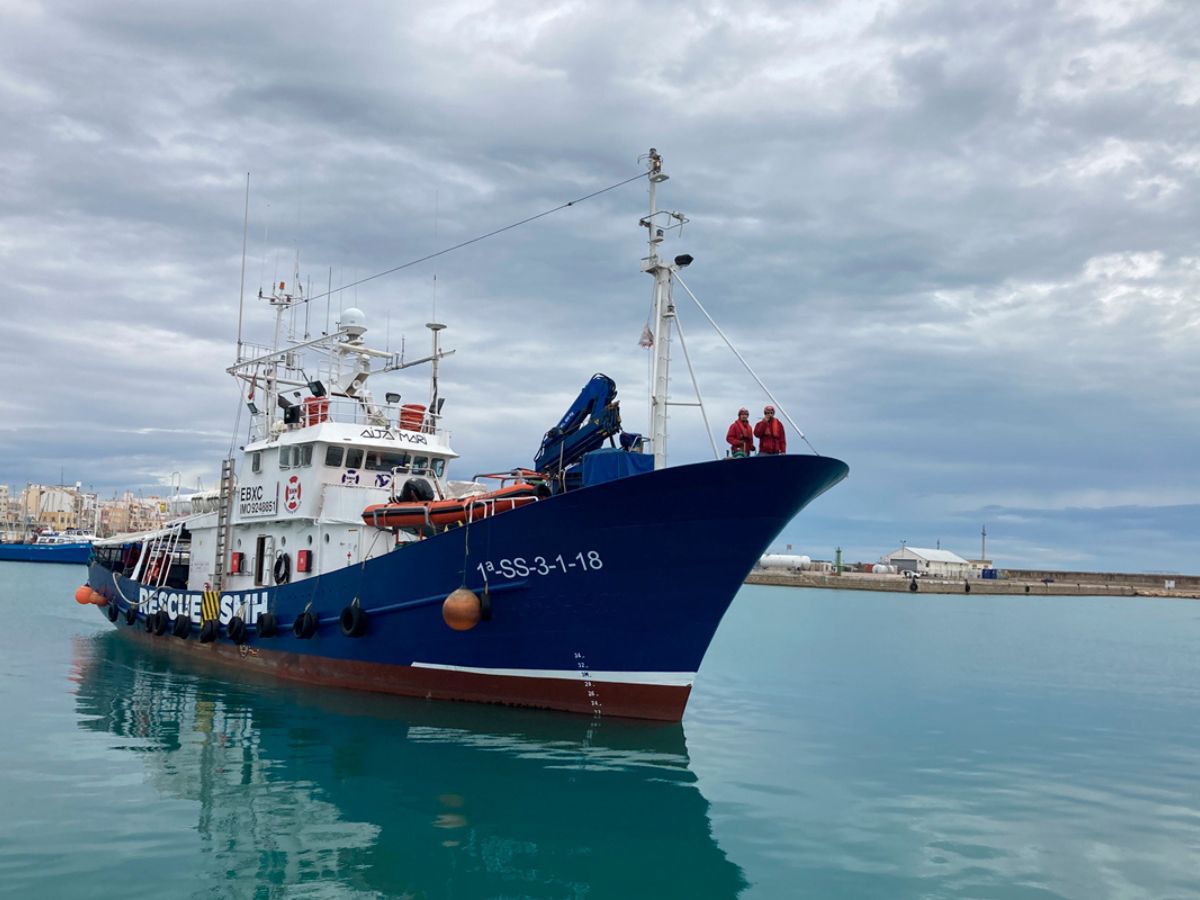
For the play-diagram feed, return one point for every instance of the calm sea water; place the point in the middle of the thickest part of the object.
(838, 744)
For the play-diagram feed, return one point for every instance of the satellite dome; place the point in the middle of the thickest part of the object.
(353, 321)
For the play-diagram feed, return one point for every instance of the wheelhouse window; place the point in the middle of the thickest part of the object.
(354, 457)
(295, 455)
(386, 460)
(333, 456)
(256, 461)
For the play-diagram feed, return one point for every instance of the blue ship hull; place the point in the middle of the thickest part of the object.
(74, 554)
(602, 600)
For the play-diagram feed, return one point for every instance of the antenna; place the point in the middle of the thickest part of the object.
(242, 283)
(983, 543)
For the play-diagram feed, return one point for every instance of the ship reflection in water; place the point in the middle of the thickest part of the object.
(401, 797)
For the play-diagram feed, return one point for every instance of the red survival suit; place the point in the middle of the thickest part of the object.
(771, 438)
(740, 437)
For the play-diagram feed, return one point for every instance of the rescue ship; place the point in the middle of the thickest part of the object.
(338, 551)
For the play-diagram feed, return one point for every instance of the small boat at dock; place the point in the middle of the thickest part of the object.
(72, 547)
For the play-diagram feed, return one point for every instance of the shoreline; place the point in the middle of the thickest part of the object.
(860, 581)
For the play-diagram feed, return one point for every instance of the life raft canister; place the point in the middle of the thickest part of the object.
(314, 410)
(412, 417)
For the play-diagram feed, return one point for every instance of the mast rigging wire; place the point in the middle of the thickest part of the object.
(482, 237)
(753, 375)
(696, 386)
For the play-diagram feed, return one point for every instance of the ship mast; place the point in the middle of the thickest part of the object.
(656, 224)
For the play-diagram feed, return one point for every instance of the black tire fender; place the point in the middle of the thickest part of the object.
(267, 625)
(305, 625)
(353, 621)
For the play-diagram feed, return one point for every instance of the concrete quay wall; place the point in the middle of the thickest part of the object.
(1139, 579)
(860, 581)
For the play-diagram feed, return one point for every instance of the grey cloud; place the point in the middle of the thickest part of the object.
(956, 238)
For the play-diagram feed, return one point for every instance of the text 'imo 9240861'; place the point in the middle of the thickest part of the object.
(338, 551)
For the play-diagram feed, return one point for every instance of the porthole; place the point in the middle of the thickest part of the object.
(239, 542)
(283, 540)
(327, 538)
(310, 540)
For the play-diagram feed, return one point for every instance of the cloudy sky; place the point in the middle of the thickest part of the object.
(957, 239)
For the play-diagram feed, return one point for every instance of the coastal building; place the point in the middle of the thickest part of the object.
(925, 561)
(40, 507)
(130, 513)
(55, 508)
(10, 517)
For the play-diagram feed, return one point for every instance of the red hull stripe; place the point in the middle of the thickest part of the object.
(625, 699)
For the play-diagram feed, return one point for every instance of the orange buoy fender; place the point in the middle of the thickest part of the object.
(462, 609)
(83, 594)
(99, 599)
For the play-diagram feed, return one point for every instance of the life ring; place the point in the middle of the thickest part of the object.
(353, 621)
(236, 629)
(266, 625)
(181, 627)
(305, 625)
(209, 630)
(282, 569)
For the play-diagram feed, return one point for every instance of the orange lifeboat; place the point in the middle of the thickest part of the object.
(431, 513)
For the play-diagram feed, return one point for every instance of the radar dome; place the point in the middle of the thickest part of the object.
(353, 321)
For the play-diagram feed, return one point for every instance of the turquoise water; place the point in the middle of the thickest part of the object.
(838, 744)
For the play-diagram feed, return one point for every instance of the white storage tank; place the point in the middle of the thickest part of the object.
(788, 561)
(883, 569)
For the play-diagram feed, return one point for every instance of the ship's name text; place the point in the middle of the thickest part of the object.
(181, 603)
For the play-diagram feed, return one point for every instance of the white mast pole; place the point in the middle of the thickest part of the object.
(432, 416)
(664, 313)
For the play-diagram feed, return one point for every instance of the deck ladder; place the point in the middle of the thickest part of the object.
(224, 514)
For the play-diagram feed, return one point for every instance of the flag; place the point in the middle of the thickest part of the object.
(647, 339)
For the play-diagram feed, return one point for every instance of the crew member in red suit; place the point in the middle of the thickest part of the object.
(769, 431)
(740, 436)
